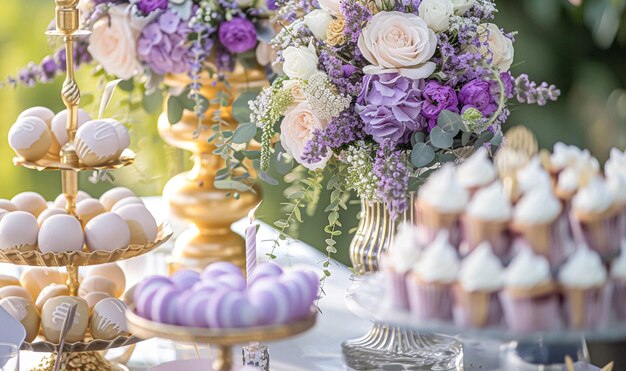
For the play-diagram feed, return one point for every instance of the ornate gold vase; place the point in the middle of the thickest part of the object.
(191, 195)
(385, 346)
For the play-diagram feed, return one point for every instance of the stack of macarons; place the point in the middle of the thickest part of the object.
(115, 221)
(219, 297)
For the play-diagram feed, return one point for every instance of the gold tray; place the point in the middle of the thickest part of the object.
(126, 158)
(146, 329)
(80, 258)
(88, 345)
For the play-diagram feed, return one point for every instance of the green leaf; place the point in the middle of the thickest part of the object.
(421, 155)
(446, 157)
(440, 138)
(267, 178)
(330, 242)
(244, 133)
(152, 103)
(297, 214)
(231, 185)
(418, 137)
(450, 122)
(281, 224)
(241, 109)
(174, 110)
(483, 138)
(127, 85)
(465, 138)
(331, 249)
(497, 140)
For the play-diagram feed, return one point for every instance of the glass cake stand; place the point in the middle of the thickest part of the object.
(520, 351)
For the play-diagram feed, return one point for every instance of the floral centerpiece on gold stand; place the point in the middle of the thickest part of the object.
(376, 95)
(197, 57)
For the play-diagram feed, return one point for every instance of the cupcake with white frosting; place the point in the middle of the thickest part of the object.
(595, 209)
(533, 176)
(430, 283)
(618, 277)
(440, 203)
(576, 176)
(615, 172)
(403, 253)
(583, 281)
(537, 221)
(477, 171)
(487, 219)
(476, 291)
(530, 297)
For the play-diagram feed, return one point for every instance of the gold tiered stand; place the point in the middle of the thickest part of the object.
(83, 355)
(224, 339)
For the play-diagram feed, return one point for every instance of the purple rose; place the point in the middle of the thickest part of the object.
(477, 94)
(509, 84)
(163, 45)
(271, 5)
(148, 6)
(390, 105)
(238, 35)
(437, 98)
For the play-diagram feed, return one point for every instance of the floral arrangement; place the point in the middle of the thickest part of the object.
(379, 91)
(147, 39)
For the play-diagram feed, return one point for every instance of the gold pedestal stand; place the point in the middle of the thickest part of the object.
(191, 195)
(85, 355)
(224, 339)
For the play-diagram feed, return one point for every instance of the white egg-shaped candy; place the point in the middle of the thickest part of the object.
(58, 125)
(31, 202)
(30, 138)
(143, 228)
(61, 233)
(61, 202)
(107, 232)
(18, 230)
(113, 196)
(96, 143)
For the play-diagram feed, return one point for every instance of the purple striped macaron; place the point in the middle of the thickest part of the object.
(145, 291)
(232, 281)
(264, 270)
(230, 309)
(270, 299)
(298, 281)
(163, 305)
(217, 269)
(185, 278)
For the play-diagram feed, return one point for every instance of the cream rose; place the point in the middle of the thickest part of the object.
(297, 129)
(462, 6)
(318, 21)
(499, 47)
(436, 13)
(331, 6)
(398, 42)
(300, 62)
(113, 43)
(295, 87)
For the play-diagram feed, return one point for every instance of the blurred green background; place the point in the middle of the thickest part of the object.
(580, 49)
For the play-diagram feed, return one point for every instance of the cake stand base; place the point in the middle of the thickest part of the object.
(84, 361)
(388, 347)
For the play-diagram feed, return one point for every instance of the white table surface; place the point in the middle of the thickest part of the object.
(318, 349)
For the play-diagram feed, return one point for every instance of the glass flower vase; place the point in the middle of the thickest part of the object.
(384, 346)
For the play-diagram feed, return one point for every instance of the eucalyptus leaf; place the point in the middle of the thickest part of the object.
(446, 157)
(421, 155)
(231, 185)
(244, 133)
(241, 109)
(465, 138)
(440, 138)
(127, 85)
(152, 102)
(174, 110)
(485, 137)
(267, 178)
(450, 122)
(418, 137)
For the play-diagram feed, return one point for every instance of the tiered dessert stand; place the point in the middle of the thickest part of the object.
(224, 339)
(83, 355)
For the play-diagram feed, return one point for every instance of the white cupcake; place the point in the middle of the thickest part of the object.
(530, 297)
(476, 291)
(430, 284)
(533, 176)
(595, 209)
(583, 280)
(536, 219)
(487, 219)
(476, 171)
(439, 205)
(403, 253)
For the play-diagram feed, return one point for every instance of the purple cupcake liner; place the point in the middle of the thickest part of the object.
(464, 313)
(397, 297)
(606, 242)
(527, 314)
(429, 301)
(592, 312)
(619, 299)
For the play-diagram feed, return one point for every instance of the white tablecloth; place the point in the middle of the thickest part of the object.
(318, 349)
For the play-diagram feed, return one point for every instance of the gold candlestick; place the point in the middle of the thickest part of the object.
(191, 195)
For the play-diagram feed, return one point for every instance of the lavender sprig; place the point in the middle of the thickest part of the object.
(393, 175)
(528, 92)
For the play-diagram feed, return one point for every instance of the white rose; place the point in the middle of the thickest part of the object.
(295, 87)
(318, 21)
(300, 62)
(395, 42)
(331, 6)
(462, 6)
(85, 6)
(113, 43)
(297, 129)
(436, 13)
(499, 47)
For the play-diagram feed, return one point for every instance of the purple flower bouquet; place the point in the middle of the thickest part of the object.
(377, 91)
(147, 39)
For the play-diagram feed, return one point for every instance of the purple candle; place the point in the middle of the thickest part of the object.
(251, 243)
